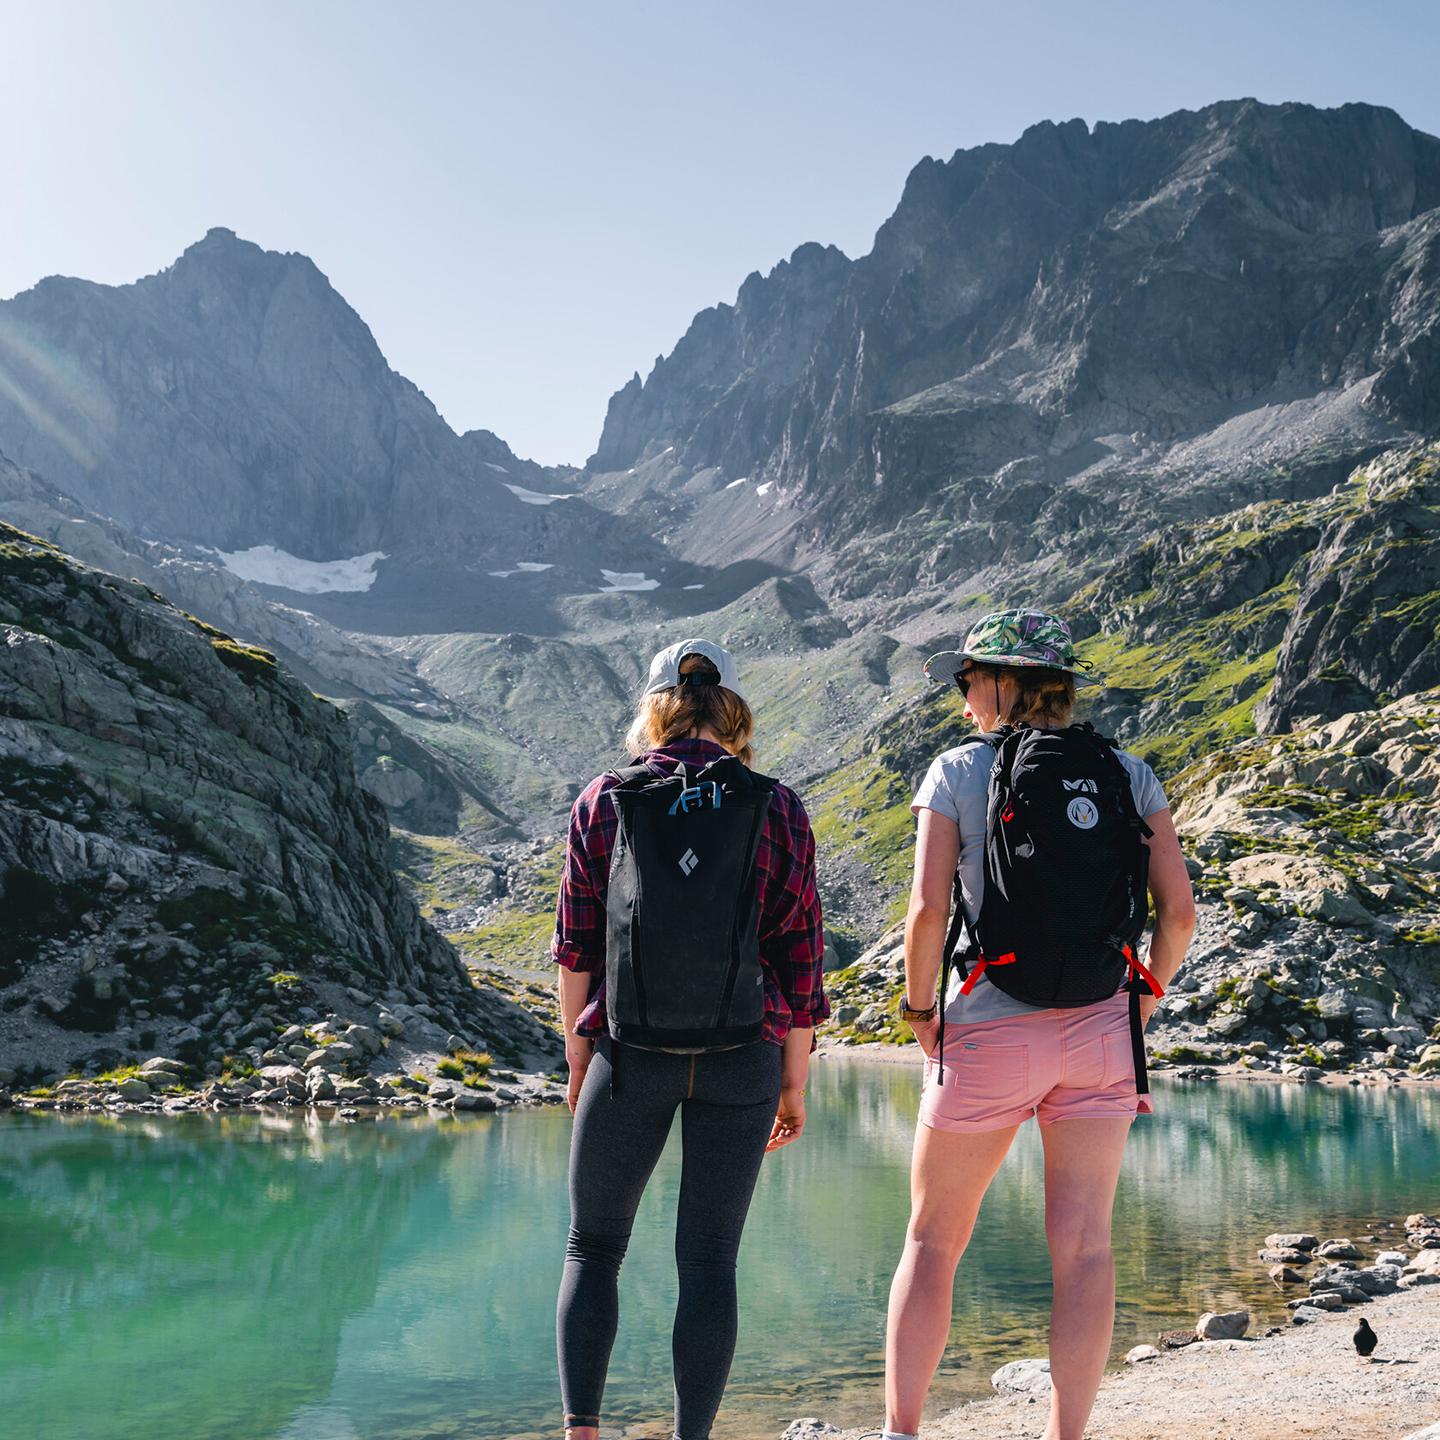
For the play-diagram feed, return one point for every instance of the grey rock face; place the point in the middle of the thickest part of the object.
(1025, 300)
(234, 400)
(136, 741)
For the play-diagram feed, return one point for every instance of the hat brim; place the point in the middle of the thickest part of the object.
(944, 668)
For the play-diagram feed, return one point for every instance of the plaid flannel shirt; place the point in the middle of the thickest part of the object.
(791, 935)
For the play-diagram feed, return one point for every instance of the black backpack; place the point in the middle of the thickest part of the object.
(1066, 891)
(682, 946)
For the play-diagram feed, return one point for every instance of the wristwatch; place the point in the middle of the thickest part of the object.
(909, 1012)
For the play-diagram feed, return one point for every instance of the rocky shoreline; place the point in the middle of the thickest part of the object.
(1217, 1382)
(354, 1054)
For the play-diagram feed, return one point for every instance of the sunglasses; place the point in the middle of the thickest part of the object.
(963, 679)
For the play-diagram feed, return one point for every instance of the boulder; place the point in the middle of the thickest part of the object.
(1420, 1221)
(1222, 1325)
(1306, 1314)
(1339, 1250)
(133, 1090)
(1140, 1354)
(808, 1429)
(1405, 1037)
(1377, 1279)
(1294, 1240)
(1430, 1432)
(1349, 1294)
(1334, 907)
(364, 1039)
(160, 1066)
(1284, 1256)
(1325, 1300)
(1022, 1377)
(1398, 1258)
(1424, 1262)
(282, 1074)
(1228, 1023)
(320, 1084)
(1429, 1060)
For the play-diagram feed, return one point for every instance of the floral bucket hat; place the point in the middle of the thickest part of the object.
(1013, 637)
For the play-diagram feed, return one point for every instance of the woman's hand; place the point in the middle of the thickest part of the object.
(789, 1120)
(927, 1034)
(578, 1053)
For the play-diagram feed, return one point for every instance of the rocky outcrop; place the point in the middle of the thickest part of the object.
(1317, 871)
(1319, 874)
(187, 857)
(1364, 626)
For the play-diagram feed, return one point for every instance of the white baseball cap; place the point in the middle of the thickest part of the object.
(665, 667)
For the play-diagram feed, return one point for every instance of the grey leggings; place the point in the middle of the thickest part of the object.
(727, 1104)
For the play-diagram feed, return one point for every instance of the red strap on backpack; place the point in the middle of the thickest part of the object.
(979, 968)
(1136, 968)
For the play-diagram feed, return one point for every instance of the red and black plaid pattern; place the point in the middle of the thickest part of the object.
(792, 938)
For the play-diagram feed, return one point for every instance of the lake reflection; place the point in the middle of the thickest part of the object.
(258, 1278)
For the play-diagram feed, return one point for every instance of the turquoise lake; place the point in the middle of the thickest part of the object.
(255, 1277)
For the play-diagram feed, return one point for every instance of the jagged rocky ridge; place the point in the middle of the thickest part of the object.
(191, 871)
(1057, 331)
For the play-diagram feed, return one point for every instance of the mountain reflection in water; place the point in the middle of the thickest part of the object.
(297, 1278)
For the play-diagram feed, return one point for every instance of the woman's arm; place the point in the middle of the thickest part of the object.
(792, 945)
(937, 853)
(574, 994)
(794, 1071)
(578, 945)
(1174, 905)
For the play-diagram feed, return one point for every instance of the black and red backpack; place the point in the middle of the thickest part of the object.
(1066, 892)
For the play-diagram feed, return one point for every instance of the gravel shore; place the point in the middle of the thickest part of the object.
(1303, 1382)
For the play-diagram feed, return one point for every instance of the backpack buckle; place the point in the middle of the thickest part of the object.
(693, 797)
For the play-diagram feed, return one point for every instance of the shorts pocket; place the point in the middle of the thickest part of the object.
(1119, 1057)
(985, 1075)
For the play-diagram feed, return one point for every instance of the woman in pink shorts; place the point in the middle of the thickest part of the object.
(1005, 1061)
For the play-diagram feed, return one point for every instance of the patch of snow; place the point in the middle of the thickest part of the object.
(743, 480)
(493, 466)
(692, 587)
(766, 488)
(617, 580)
(665, 451)
(522, 567)
(269, 565)
(533, 497)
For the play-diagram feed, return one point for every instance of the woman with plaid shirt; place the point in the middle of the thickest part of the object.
(735, 1105)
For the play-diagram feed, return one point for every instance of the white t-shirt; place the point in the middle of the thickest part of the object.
(957, 786)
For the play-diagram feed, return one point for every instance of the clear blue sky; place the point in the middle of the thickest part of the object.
(527, 201)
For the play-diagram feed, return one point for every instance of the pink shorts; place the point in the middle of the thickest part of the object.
(1054, 1064)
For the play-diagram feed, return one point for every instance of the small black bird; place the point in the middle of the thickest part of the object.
(1365, 1339)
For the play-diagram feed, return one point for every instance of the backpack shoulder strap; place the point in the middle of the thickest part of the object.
(992, 738)
(634, 772)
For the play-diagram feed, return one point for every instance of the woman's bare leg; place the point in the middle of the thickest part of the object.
(1082, 1165)
(949, 1174)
